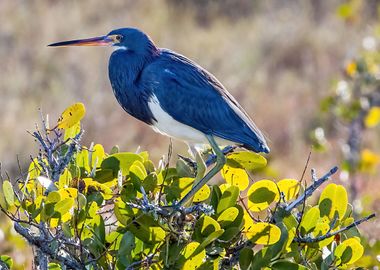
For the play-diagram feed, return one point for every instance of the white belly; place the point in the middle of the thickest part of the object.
(168, 126)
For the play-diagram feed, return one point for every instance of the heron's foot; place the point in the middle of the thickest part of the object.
(226, 150)
(197, 168)
(190, 165)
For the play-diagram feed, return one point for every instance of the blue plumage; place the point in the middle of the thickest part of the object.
(154, 84)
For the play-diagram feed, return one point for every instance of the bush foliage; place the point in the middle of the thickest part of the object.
(83, 208)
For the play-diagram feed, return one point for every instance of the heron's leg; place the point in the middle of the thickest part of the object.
(200, 166)
(220, 161)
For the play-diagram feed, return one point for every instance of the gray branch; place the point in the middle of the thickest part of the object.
(330, 234)
(310, 189)
(42, 243)
(3, 266)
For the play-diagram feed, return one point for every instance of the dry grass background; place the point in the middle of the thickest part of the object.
(278, 58)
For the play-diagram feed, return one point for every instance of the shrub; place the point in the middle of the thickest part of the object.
(83, 208)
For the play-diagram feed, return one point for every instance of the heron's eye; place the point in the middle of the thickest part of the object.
(119, 37)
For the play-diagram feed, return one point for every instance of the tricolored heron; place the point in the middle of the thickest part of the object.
(175, 96)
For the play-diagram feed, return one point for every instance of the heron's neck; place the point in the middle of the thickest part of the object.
(127, 65)
(125, 68)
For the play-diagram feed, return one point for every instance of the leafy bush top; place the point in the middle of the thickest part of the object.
(84, 208)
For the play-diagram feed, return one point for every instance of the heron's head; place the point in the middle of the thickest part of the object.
(124, 38)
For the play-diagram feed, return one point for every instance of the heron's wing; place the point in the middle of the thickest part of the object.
(195, 98)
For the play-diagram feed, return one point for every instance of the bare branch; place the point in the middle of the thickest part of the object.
(310, 190)
(330, 234)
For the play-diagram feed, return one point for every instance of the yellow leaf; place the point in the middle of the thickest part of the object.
(236, 177)
(93, 185)
(193, 260)
(97, 155)
(351, 68)
(349, 251)
(289, 187)
(262, 233)
(8, 193)
(202, 194)
(261, 194)
(289, 241)
(368, 161)
(309, 220)
(72, 115)
(373, 117)
(223, 187)
(72, 131)
(321, 229)
(228, 216)
(65, 179)
(333, 201)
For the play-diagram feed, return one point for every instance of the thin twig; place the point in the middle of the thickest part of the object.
(330, 234)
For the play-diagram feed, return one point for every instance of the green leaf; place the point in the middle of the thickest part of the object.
(309, 220)
(235, 177)
(82, 160)
(278, 247)
(261, 194)
(263, 233)
(286, 265)
(104, 175)
(208, 225)
(115, 149)
(124, 252)
(100, 232)
(3, 202)
(147, 230)
(261, 259)
(121, 217)
(209, 239)
(245, 258)
(8, 193)
(228, 199)
(349, 251)
(333, 201)
(150, 182)
(97, 155)
(7, 260)
(183, 169)
(137, 169)
(246, 160)
(64, 206)
(54, 266)
(228, 216)
(216, 194)
(229, 233)
(53, 197)
(120, 161)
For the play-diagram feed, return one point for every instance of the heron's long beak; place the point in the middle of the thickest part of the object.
(95, 41)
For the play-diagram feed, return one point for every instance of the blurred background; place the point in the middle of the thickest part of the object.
(289, 64)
